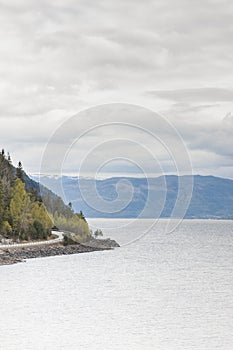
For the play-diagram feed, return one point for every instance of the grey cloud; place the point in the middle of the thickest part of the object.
(66, 55)
(104, 41)
(213, 138)
(196, 95)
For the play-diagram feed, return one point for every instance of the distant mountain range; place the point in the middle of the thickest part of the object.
(212, 197)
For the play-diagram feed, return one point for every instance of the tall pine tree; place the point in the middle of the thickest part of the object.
(19, 171)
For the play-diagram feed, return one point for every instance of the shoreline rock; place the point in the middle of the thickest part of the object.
(10, 256)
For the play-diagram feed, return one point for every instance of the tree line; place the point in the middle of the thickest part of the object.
(23, 213)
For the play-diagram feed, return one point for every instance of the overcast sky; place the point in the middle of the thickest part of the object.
(174, 57)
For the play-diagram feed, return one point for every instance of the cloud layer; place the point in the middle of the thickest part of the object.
(60, 57)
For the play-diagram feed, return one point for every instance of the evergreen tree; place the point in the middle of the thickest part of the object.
(9, 158)
(82, 216)
(19, 171)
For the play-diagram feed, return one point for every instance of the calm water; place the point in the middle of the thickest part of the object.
(161, 292)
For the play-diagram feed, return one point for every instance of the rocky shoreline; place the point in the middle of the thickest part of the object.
(15, 255)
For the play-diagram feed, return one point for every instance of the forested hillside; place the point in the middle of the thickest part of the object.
(28, 212)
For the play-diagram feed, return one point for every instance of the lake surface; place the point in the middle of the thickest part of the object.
(163, 291)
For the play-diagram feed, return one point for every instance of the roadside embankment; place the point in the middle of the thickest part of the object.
(19, 254)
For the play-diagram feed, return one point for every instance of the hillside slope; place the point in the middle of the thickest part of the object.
(212, 197)
(28, 211)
